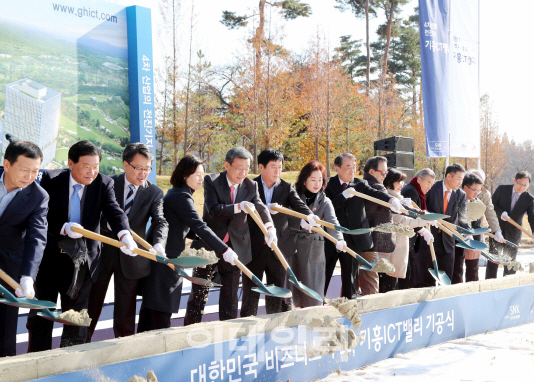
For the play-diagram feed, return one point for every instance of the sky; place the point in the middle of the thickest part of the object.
(504, 58)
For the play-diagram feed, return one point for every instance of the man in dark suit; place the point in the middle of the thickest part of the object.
(350, 211)
(78, 197)
(445, 197)
(273, 191)
(23, 209)
(225, 196)
(416, 191)
(511, 201)
(140, 200)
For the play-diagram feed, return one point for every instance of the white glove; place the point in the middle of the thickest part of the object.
(407, 201)
(312, 220)
(65, 230)
(130, 244)
(245, 203)
(396, 205)
(346, 193)
(340, 245)
(271, 238)
(305, 225)
(26, 282)
(469, 237)
(433, 223)
(273, 212)
(158, 248)
(505, 215)
(426, 235)
(499, 237)
(229, 256)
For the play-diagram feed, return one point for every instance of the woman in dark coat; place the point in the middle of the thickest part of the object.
(308, 260)
(162, 289)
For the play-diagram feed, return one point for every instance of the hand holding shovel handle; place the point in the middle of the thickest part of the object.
(9, 280)
(287, 211)
(512, 222)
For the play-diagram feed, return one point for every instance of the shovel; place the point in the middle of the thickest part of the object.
(185, 262)
(20, 302)
(339, 228)
(506, 241)
(194, 280)
(463, 242)
(430, 216)
(269, 290)
(292, 278)
(440, 276)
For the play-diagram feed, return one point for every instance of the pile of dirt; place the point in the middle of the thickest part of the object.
(348, 308)
(334, 337)
(201, 253)
(78, 318)
(396, 228)
(383, 266)
(475, 210)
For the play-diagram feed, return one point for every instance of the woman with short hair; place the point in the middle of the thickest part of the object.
(308, 260)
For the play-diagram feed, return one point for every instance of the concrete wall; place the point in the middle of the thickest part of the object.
(38, 365)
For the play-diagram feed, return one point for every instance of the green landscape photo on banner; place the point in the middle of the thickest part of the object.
(64, 78)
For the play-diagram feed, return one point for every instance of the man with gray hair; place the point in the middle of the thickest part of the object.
(225, 196)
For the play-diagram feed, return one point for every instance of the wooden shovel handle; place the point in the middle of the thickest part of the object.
(7, 278)
(509, 220)
(444, 229)
(296, 214)
(243, 268)
(147, 245)
(106, 240)
(414, 204)
(334, 240)
(257, 218)
(432, 252)
(374, 200)
(452, 228)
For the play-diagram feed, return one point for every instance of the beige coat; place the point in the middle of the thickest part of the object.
(491, 216)
(399, 257)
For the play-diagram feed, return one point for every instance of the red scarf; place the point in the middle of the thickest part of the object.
(419, 192)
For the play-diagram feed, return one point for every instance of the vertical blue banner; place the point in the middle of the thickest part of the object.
(434, 39)
(141, 78)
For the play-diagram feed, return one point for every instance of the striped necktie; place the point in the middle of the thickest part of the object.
(129, 200)
(75, 205)
(227, 236)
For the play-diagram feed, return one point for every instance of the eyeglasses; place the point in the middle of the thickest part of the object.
(140, 168)
(402, 184)
(475, 191)
(521, 184)
(241, 170)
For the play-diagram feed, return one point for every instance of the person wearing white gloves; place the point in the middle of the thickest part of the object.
(23, 228)
(227, 195)
(274, 192)
(308, 261)
(350, 212)
(511, 202)
(79, 194)
(141, 201)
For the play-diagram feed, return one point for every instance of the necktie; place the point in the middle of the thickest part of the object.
(344, 185)
(129, 200)
(446, 201)
(75, 209)
(515, 197)
(227, 236)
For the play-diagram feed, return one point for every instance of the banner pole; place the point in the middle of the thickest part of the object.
(480, 143)
(449, 93)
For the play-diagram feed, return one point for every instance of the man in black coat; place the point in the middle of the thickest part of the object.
(416, 191)
(78, 197)
(23, 209)
(445, 192)
(511, 201)
(350, 212)
(225, 196)
(273, 191)
(141, 200)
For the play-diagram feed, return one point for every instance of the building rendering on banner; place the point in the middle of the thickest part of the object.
(32, 114)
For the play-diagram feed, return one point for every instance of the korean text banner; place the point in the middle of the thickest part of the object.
(464, 125)
(434, 41)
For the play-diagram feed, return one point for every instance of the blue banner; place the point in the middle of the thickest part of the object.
(287, 353)
(434, 40)
(141, 79)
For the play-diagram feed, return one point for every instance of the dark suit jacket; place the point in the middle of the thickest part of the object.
(351, 212)
(148, 203)
(219, 212)
(502, 201)
(97, 197)
(376, 214)
(23, 228)
(160, 290)
(409, 191)
(284, 194)
(434, 203)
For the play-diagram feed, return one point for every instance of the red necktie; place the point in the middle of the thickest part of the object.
(232, 188)
(344, 185)
(445, 201)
